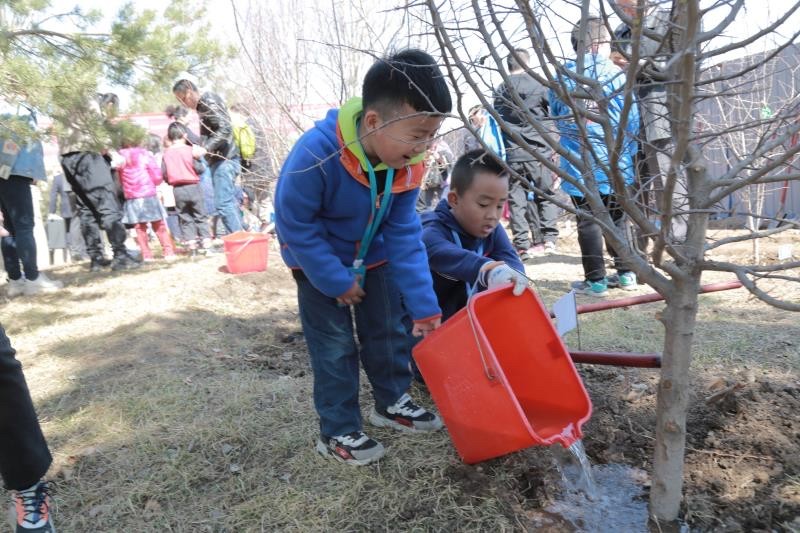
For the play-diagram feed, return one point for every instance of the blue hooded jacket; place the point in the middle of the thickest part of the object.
(453, 266)
(322, 206)
(612, 78)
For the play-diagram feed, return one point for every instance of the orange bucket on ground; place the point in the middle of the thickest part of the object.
(246, 251)
(502, 378)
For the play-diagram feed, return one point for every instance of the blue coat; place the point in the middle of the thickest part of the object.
(322, 207)
(454, 266)
(612, 78)
(29, 162)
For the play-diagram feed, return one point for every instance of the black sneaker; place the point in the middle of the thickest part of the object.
(96, 265)
(32, 508)
(405, 415)
(354, 448)
(124, 262)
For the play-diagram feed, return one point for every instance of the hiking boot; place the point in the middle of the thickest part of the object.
(42, 284)
(15, 287)
(354, 448)
(97, 264)
(124, 262)
(405, 415)
(625, 280)
(597, 289)
(33, 509)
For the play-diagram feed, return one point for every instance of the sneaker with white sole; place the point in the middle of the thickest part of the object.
(405, 415)
(32, 508)
(550, 248)
(15, 287)
(598, 289)
(354, 448)
(42, 284)
(623, 280)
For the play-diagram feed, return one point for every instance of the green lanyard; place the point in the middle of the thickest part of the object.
(375, 219)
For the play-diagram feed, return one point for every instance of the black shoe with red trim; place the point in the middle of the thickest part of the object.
(354, 448)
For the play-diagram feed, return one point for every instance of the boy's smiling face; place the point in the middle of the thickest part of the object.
(478, 209)
(398, 138)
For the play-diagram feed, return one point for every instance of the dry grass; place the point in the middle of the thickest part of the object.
(177, 398)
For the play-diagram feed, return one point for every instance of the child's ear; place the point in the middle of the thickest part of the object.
(371, 120)
(452, 198)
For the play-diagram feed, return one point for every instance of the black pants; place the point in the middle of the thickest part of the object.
(537, 216)
(24, 457)
(191, 212)
(97, 203)
(590, 237)
(18, 211)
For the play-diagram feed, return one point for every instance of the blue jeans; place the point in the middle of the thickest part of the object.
(208, 191)
(223, 174)
(328, 329)
(17, 204)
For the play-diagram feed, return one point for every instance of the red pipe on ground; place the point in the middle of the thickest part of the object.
(639, 360)
(652, 297)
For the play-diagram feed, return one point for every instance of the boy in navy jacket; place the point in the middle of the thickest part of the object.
(346, 220)
(468, 250)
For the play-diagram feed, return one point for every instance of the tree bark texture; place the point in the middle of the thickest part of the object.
(672, 403)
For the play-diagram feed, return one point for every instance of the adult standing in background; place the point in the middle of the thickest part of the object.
(63, 202)
(656, 145)
(23, 164)
(221, 151)
(532, 217)
(89, 175)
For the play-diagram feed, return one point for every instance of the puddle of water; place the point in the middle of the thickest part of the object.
(614, 503)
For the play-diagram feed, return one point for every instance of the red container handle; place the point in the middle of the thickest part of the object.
(487, 368)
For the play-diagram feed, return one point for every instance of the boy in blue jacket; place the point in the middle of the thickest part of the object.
(468, 250)
(346, 220)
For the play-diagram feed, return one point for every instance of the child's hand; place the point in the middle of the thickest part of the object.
(198, 151)
(502, 274)
(354, 294)
(423, 327)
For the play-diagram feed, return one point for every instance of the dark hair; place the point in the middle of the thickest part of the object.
(470, 164)
(183, 86)
(176, 131)
(408, 77)
(153, 143)
(520, 61)
(176, 112)
(596, 32)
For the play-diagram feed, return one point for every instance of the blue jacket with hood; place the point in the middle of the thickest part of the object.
(322, 206)
(453, 266)
(612, 79)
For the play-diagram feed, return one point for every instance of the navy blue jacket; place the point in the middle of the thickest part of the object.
(452, 266)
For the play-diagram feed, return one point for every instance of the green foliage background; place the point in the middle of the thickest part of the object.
(50, 61)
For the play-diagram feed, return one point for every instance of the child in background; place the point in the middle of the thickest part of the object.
(181, 169)
(468, 251)
(346, 220)
(139, 175)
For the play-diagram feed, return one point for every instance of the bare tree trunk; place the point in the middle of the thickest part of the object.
(673, 400)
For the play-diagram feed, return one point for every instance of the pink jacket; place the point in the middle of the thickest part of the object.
(140, 173)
